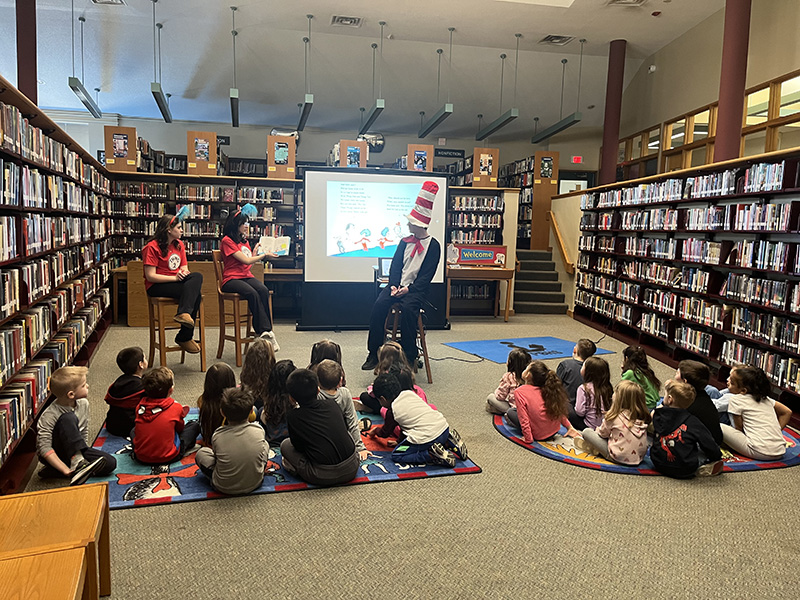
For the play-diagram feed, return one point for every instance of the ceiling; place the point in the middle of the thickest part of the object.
(197, 58)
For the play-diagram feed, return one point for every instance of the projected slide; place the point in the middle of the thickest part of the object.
(368, 218)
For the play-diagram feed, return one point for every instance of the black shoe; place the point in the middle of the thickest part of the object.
(370, 363)
(86, 470)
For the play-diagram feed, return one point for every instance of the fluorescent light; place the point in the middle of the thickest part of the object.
(307, 106)
(161, 100)
(80, 91)
(235, 107)
(567, 121)
(436, 120)
(498, 123)
(374, 112)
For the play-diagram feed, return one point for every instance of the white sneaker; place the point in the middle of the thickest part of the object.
(270, 337)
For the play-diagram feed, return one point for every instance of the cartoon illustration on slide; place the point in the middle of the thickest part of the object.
(365, 240)
(383, 240)
(339, 244)
(398, 229)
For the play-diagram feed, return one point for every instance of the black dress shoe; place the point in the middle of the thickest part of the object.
(370, 363)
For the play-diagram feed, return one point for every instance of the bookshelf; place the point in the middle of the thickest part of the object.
(701, 264)
(56, 258)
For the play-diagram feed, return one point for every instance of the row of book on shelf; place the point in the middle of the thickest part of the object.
(481, 291)
(25, 186)
(232, 193)
(487, 203)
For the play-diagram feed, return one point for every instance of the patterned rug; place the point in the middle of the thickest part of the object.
(562, 449)
(134, 484)
(540, 348)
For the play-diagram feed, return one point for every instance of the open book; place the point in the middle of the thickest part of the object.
(277, 245)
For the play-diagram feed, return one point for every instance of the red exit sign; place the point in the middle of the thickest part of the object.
(576, 160)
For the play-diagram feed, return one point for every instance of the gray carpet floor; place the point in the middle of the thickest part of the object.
(527, 527)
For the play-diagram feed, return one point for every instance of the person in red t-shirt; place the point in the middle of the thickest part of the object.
(236, 276)
(166, 274)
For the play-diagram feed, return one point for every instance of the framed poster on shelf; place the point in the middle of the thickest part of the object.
(485, 164)
(420, 157)
(201, 151)
(120, 150)
(281, 150)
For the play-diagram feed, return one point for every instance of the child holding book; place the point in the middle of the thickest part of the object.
(636, 368)
(319, 448)
(542, 405)
(622, 436)
(757, 419)
(501, 400)
(680, 437)
(219, 377)
(160, 435)
(569, 370)
(330, 374)
(124, 395)
(277, 404)
(239, 456)
(62, 441)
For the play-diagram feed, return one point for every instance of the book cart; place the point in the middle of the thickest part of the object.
(700, 264)
(55, 259)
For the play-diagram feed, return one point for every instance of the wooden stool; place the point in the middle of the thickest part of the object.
(392, 325)
(157, 306)
(233, 316)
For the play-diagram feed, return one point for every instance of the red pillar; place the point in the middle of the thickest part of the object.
(26, 49)
(732, 80)
(616, 72)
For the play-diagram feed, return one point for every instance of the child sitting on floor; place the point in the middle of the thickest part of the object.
(330, 374)
(240, 452)
(636, 368)
(569, 370)
(390, 355)
(319, 448)
(502, 399)
(124, 395)
(622, 437)
(62, 440)
(160, 435)
(219, 377)
(757, 419)
(327, 349)
(277, 404)
(259, 360)
(427, 438)
(594, 394)
(542, 405)
(678, 434)
(696, 374)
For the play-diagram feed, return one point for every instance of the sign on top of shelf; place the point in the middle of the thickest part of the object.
(476, 254)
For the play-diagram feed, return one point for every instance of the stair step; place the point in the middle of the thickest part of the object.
(537, 265)
(523, 296)
(534, 254)
(537, 276)
(540, 308)
(537, 286)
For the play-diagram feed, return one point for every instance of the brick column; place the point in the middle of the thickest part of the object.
(616, 72)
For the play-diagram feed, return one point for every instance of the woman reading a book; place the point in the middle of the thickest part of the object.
(237, 259)
(166, 274)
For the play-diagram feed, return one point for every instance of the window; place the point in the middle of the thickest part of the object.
(790, 97)
(677, 135)
(757, 107)
(653, 140)
(702, 122)
(754, 143)
(788, 136)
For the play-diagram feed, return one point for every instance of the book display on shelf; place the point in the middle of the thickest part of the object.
(476, 218)
(281, 151)
(707, 266)
(201, 153)
(419, 157)
(485, 164)
(121, 148)
(55, 224)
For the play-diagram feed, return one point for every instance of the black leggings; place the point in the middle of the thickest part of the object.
(257, 296)
(188, 293)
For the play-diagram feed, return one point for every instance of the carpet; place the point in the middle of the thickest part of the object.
(134, 484)
(562, 449)
(540, 348)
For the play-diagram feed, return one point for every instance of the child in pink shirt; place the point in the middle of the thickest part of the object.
(622, 437)
(499, 401)
(542, 405)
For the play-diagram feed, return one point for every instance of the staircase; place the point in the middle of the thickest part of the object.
(537, 289)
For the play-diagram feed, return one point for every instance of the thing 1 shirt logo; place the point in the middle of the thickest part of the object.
(174, 262)
(246, 251)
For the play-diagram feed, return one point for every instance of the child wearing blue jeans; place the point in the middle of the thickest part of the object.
(426, 436)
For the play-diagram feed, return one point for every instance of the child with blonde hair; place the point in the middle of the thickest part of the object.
(622, 436)
(501, 400)
(542, 405)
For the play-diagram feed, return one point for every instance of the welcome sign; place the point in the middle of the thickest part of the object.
(478, 254)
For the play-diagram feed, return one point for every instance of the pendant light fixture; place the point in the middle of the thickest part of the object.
(155, 86)
(569, 120)
(447, 108)
(234, 90)
(512, 113)
(308, 103)
(380, 103)
(75, 84)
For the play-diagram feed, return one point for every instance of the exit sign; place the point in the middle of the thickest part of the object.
(576, 160)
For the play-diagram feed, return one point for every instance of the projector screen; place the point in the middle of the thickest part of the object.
(354, 218)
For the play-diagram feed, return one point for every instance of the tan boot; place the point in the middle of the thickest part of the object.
(184, 319)
(190, 346)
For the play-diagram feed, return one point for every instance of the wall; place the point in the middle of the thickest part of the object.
(567, 212)
(688, 69)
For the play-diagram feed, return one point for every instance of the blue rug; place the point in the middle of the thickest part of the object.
(133, 484)
(540, 348)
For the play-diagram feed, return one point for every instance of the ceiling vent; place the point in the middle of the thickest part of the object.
(556, 40)
(112, 2)
(626, 2)
(340, 21)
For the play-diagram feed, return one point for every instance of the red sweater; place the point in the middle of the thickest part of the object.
(158, 423)
(533, 419)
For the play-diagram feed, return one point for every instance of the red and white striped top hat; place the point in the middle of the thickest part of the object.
(421, 213)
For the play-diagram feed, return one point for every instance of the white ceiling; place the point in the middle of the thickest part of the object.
(197, 61)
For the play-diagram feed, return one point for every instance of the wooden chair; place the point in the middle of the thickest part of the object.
(161, 311)
(392, 326)
(234, 315)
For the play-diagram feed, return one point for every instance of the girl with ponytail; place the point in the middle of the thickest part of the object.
(542, 405)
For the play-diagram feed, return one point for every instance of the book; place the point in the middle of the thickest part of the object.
(277, 245)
